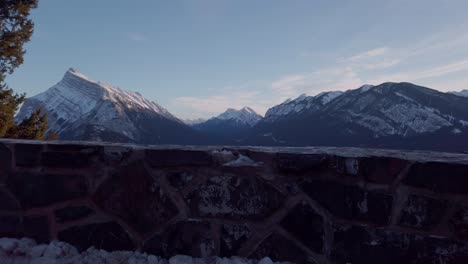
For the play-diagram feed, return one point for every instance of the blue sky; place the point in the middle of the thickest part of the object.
(198, 57)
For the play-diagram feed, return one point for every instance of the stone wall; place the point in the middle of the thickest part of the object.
(305, 205)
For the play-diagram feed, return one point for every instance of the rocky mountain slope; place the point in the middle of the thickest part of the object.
(82, 109)
(400, 115)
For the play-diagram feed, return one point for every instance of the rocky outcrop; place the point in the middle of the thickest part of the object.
(303, 205)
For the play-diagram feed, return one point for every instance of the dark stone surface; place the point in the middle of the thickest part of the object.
(279, 248)
(73, 148)
(347, 166)
(306, 225)
(35, 227)
(381, 170)
(232, 238)
(108, 236)
(34, 190)
(350, 202)
(8, 201)
(136, 197)
(422, 212)
(439, 177)
(358, 244)
(179, 179)
(174, 158)
(288, 162)
(192, 238)
(459, 223)
(235, 197)
(11, 226)
(73, 160)
(5, 162)
(27, 155)
(72, 213)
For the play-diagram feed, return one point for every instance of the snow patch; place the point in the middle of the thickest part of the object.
(26, 251)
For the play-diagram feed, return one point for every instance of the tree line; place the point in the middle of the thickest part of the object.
(16, 28)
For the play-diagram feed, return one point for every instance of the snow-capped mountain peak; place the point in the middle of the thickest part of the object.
(77, 100)
(245, 115)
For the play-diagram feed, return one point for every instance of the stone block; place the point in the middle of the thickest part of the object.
(108, 236)
(279, 248)
(28, 155)
(359, 244)
(11, 226)
(133, 195)
(5, 162)
(439, 177)
(192, 238)
(422, 212)
(238, 197)
(72, 213)
(459, 223)
(381, 170)
(232, 238)
(350, 202)
(179, 179)
(306, 226)
(175, 158)
(288, 162)
(72, 160)
(35, 190)
(37, 228)
(8, 202)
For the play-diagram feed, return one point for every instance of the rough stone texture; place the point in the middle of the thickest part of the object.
(72, 213)
(107, 236)
(383, 171)
(422, 212)
(27, 155)
(459, 223)
(5, 162)
(175, 158)
(306, 225)
(35, 190)
(233, 237)
(280, 248)
(439, 177)
(350, 202)
(36, 227)
(136, 197)
(191, 238)
(236, 197)
(304, 205)
(358, 244)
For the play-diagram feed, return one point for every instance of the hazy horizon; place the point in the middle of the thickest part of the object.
(198, 58)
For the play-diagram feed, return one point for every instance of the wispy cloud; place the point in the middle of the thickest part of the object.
(212, 105)
(368, 54)
(373, 66)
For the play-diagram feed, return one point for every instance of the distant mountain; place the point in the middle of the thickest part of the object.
(463, 93)
(196, 121)
(231, 126)
(390, 115)
(82, 109)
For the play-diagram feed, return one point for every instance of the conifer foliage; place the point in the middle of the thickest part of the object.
(16, 28)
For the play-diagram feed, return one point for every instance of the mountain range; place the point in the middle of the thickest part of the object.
(389, 115)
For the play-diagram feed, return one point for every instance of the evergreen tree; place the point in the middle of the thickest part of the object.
(33, 127)
(15, 30)
(52, 136)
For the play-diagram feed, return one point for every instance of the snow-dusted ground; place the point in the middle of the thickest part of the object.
(26, 251)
